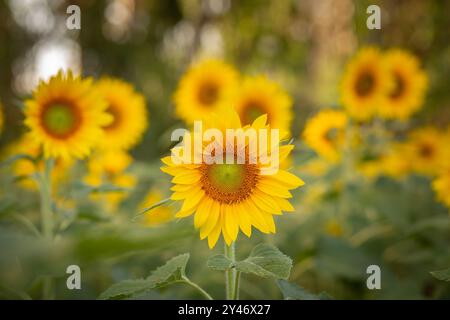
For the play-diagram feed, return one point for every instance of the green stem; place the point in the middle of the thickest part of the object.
(45, 189)
(236, 286)
(197, 287)
(230, 275)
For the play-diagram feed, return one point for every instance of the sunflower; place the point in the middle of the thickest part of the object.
(159, 215)
(127, 107)
(325, 133)
(109, 168)
(204, 89)
(231, 196)
(426, 149)
(259, 95)
(364, 84)
(409, 85)
(441, 186)
(66, 116)
(24, 168)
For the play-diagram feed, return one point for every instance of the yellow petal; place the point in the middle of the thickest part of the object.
(284, 204)
(255, 216)
(213, 218)
(260, 122)
(202, 212)
(213, 236)
(187, 178)
(192, 201)
(286, 178)
(273, 190)
(265, 202)
(231, 222)
(243, 217)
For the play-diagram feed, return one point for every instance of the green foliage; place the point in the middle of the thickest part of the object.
(171, 272)
(265, 261)
(291, 291)
(443, 275)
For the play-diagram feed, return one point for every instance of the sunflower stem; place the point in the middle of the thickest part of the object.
(187, 281)
(231, 275)
(45, 190)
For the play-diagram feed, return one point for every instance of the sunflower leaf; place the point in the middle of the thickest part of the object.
(174, 270)
(266, 261)
(291, 291)
(219, 262)
(443, 275)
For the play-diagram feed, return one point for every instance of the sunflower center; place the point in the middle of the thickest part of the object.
(252, 111)
(399, 87)
(426, 151)
(60, 119)
(208, 93)
(229, 183)
(115, 113)
(365, 83)
(331, 135)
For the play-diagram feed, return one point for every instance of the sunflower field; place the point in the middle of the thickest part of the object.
(100, 106)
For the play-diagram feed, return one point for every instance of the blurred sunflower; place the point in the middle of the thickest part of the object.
(24, 168)
(325, 133)
(364, 84)
(129, 113)
(441, 185)
(229, 197)
(426, 149)
(159, 215)
(408, 86)
(204, 89)
(66, 116)
(259, 95)
(109, 168)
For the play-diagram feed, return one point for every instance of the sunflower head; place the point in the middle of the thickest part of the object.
(109, 168)
(441, 186)
(364, 84)
(230, 196)
(204, 89)
(408, 85)
(65, 116)
(427, 149)
(257, 96)
(128, 111)
(159, 215)
(325, 133)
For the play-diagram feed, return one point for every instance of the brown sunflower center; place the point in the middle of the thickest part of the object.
(331, 135)
(60, 119)
(399, 87)
(426, 150)
(229, 183)
(114, 111)
(365, 84)
(251, 111)
(208, 93)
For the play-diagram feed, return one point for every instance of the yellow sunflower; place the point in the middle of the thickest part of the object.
(127, 107)
(426, 149)
(204, 89)
(441, 185)
(159, 215)
(66, 116)
(23, 169)
(259, 95)
(325, 133)
(409, 85)
(231, 196)
(109, 168)
(364, 84)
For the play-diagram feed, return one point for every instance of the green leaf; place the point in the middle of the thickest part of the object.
(172, 271)
(266, 261)
(291, 291)
(443, 275)
(219, 262)
(125, 288)
(17, 157)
